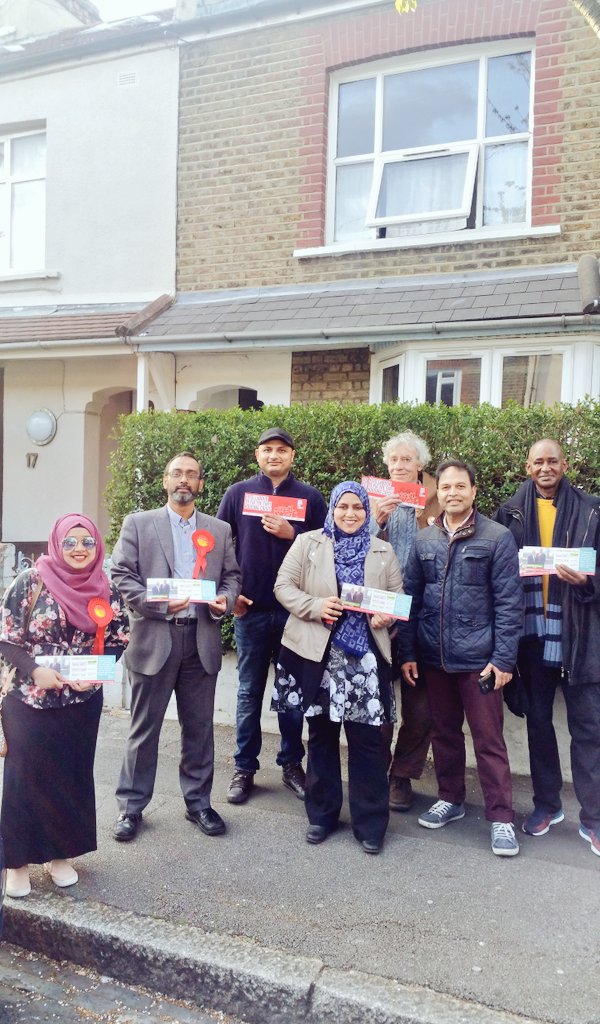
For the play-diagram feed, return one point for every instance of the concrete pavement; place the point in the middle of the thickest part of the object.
(258, 923)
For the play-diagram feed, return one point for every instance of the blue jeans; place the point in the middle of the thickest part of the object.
(258, 638)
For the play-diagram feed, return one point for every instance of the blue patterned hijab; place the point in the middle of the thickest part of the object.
(349, 552)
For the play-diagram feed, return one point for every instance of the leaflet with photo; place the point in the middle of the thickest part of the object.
(413, 495)
(368, 599)
(198, 591)
(83, 668)
(275, 505)
(534, 561)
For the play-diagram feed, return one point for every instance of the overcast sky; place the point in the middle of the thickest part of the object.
(114, 10)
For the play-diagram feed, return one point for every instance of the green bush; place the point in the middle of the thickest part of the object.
(337, 442)
(342, 441)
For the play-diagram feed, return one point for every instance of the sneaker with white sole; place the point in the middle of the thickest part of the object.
(540, 822)
(592, 837)
(441, 813)
(504, 840)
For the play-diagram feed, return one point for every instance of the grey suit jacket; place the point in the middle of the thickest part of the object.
(145, 550)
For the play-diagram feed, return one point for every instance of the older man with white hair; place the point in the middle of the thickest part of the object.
(405, 456)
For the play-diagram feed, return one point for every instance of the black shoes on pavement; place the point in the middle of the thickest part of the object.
(240, 786)
(294, 778)
(126, 827)
(208, 820)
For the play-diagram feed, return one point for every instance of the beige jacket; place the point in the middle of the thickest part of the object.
(307, 576)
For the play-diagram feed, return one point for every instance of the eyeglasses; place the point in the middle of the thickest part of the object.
(70, 543)
(180, 474)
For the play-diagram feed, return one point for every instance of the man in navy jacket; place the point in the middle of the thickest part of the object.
(261, 544)
(463, 575)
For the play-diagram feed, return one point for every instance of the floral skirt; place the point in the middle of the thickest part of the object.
(349, 687)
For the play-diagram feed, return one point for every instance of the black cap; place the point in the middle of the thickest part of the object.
(276, 434)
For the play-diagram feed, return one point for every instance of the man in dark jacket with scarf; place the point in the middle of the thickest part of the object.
(463, 575)
(561, 639)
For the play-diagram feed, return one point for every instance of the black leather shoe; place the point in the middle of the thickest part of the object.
(126, 827)
(317, 834)
(371, 847)
(294, 778)
(208, 820)
(240, 786)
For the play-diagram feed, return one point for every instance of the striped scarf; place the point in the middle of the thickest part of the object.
(548, 628)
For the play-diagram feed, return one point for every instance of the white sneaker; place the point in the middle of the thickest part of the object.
(504, 840)
(61, 873)
(17, 882)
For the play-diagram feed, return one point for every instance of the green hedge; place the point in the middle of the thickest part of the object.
(342, 441)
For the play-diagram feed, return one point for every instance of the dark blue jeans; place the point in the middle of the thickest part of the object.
(258, 638)
(583, 718)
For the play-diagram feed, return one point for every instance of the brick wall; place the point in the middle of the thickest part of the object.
(253, 124)
(341, 375)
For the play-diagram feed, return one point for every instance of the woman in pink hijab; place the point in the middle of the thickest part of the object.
(65, 605)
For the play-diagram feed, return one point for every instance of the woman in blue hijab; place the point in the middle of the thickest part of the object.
(335, 664)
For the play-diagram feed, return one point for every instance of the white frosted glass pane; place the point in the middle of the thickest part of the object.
(356, 118)
(422, 186)
(28, 216)
(28, 156)
(353, 184)
(430, 107)
(505, 184)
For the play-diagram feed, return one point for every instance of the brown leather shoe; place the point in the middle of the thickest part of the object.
(401, 794)
(240, 786)
(294, 778)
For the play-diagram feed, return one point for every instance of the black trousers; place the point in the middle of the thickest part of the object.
(583, 718)
(368, 789)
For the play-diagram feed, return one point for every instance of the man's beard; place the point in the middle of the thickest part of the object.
(182, 497)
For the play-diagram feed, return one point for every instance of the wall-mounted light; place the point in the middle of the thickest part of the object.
(41, 426)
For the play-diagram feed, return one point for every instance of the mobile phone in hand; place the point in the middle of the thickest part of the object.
(487, 682)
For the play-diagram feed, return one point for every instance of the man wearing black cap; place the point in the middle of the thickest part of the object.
(262, 539)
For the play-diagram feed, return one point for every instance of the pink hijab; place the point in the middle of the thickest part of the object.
(74, 588)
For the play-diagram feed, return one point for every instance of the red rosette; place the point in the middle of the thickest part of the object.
(203, 542)
(101, 613)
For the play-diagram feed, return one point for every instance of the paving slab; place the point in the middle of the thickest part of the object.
(436, 930)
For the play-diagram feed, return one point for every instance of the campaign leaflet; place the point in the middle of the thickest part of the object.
(367, 599)
(534, 561)
(82, 668)
(413, 495)
(198, 591)
(275, 505)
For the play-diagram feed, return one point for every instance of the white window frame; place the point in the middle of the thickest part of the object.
(463, 210)
(8, 180)
(452, 55)
(452, 375)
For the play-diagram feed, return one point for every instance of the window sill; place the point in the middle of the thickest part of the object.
(427, 241)
(18, 276)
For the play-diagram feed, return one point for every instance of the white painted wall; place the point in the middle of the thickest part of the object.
(201, 378)
(111, 177)
(60, 482)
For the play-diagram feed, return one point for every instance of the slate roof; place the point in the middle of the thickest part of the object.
(535, 292)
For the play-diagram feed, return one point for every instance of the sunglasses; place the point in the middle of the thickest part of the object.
(70, 543)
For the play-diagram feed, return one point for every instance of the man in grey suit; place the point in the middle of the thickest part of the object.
(175, 646)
